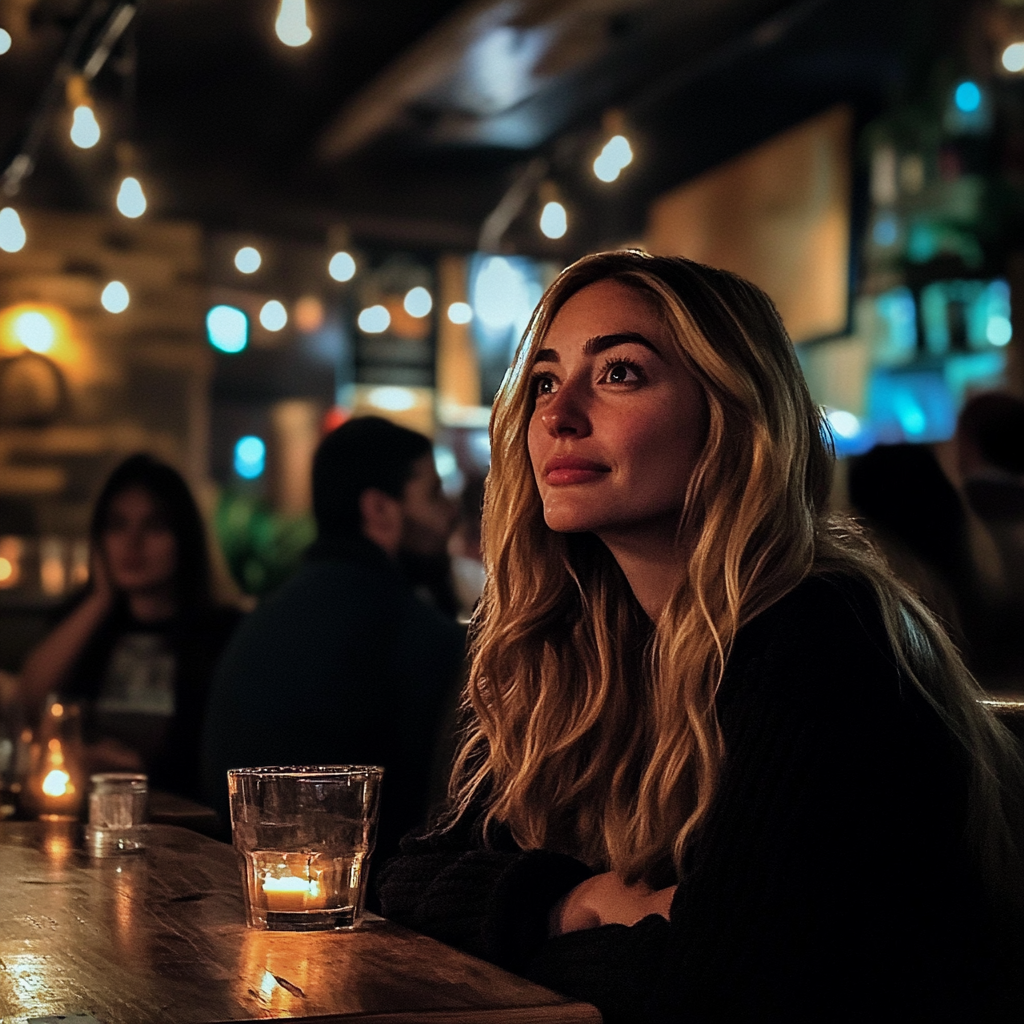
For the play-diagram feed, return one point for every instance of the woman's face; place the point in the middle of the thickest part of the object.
(140, 550)
(619, 421)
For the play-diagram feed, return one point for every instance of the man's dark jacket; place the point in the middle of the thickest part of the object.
(344, 664)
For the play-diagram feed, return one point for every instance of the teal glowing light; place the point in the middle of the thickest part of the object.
(227, 328)
(967, 97)
(250, 457)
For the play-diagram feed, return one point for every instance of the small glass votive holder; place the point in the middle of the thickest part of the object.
(304, 836)
(117, 814)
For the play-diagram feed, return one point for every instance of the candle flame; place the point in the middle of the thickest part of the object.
(289, 883)
(57, 783)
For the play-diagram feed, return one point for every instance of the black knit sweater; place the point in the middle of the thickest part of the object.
(830, 881)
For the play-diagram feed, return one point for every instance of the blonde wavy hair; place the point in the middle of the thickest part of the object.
(593, 731)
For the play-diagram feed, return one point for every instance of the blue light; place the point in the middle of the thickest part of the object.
(250, 457)
(227, 328)
(967, 97)
(886, 231)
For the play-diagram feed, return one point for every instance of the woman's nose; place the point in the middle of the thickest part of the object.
(566, 413)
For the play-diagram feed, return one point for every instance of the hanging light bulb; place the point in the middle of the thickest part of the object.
(616, 154)
(12, 233)
(85, 129)
(291, 27)
(115, 298)
(553, 219)
(130, 198)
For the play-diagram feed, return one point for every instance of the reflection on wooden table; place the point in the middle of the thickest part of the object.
(159, 937)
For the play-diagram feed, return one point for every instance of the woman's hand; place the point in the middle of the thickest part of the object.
(101, 588)
(606, 899)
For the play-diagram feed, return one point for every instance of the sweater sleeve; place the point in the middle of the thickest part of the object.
(489, 900)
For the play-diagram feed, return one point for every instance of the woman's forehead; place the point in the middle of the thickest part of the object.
(608, 301)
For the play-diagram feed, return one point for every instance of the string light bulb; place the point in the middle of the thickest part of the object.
(418, 302)
(291, 26)
(131, 200)
(85, 129)
(12, 232)
(1013, 57)
(248, 259)
(342, 266)
(554, 221)
(115, 298)
(617, 153)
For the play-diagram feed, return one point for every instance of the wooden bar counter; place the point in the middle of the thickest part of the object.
(159, 937)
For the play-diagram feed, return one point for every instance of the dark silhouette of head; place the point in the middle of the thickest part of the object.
(992, 425)
(365, 452)
(902, 489)
(168, 490)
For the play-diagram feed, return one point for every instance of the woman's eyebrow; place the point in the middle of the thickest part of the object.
(598, 344)
(594, 346)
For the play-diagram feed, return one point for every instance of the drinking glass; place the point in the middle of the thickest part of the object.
(117, 810)
(304, 835)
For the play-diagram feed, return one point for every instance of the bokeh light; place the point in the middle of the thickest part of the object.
(290, 26)
(227, 328)
(35, 331)
(12, 233)
(248, 259)
(967, 97)
(131, 201)
(273, 315)
(374, 320)
(460, 313)
(85, 129)
(115, 297)
(418, 302)
(616, 155)
(250, 457)
(342, 267)
(392, 399)
(553, 221)
(1013, 57)
(5, 40)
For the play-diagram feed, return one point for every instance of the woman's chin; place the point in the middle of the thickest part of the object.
(564, 521)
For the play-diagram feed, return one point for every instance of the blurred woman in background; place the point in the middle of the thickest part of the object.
(720, 765)
(139, 645)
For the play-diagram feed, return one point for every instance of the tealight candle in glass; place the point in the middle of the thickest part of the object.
(304, 835)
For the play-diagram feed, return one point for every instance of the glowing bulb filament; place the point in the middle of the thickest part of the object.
(12, 233)
(553, 221)
(616, 154)
(291, 27)
(130, 198)
(85, 129)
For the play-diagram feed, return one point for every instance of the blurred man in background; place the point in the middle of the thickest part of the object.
(345, 663)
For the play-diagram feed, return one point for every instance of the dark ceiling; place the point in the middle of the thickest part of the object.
(408, 120)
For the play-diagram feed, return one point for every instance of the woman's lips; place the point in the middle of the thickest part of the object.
(566, 469)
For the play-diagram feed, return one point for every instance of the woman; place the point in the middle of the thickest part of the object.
(140, 645)
(720, 765)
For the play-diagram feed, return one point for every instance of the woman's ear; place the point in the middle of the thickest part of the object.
(382, 519)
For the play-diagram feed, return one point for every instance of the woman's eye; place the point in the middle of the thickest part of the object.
(543, 385)
(621, 373)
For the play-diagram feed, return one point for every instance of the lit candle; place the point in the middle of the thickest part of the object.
(290, 894)
(59, 796)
